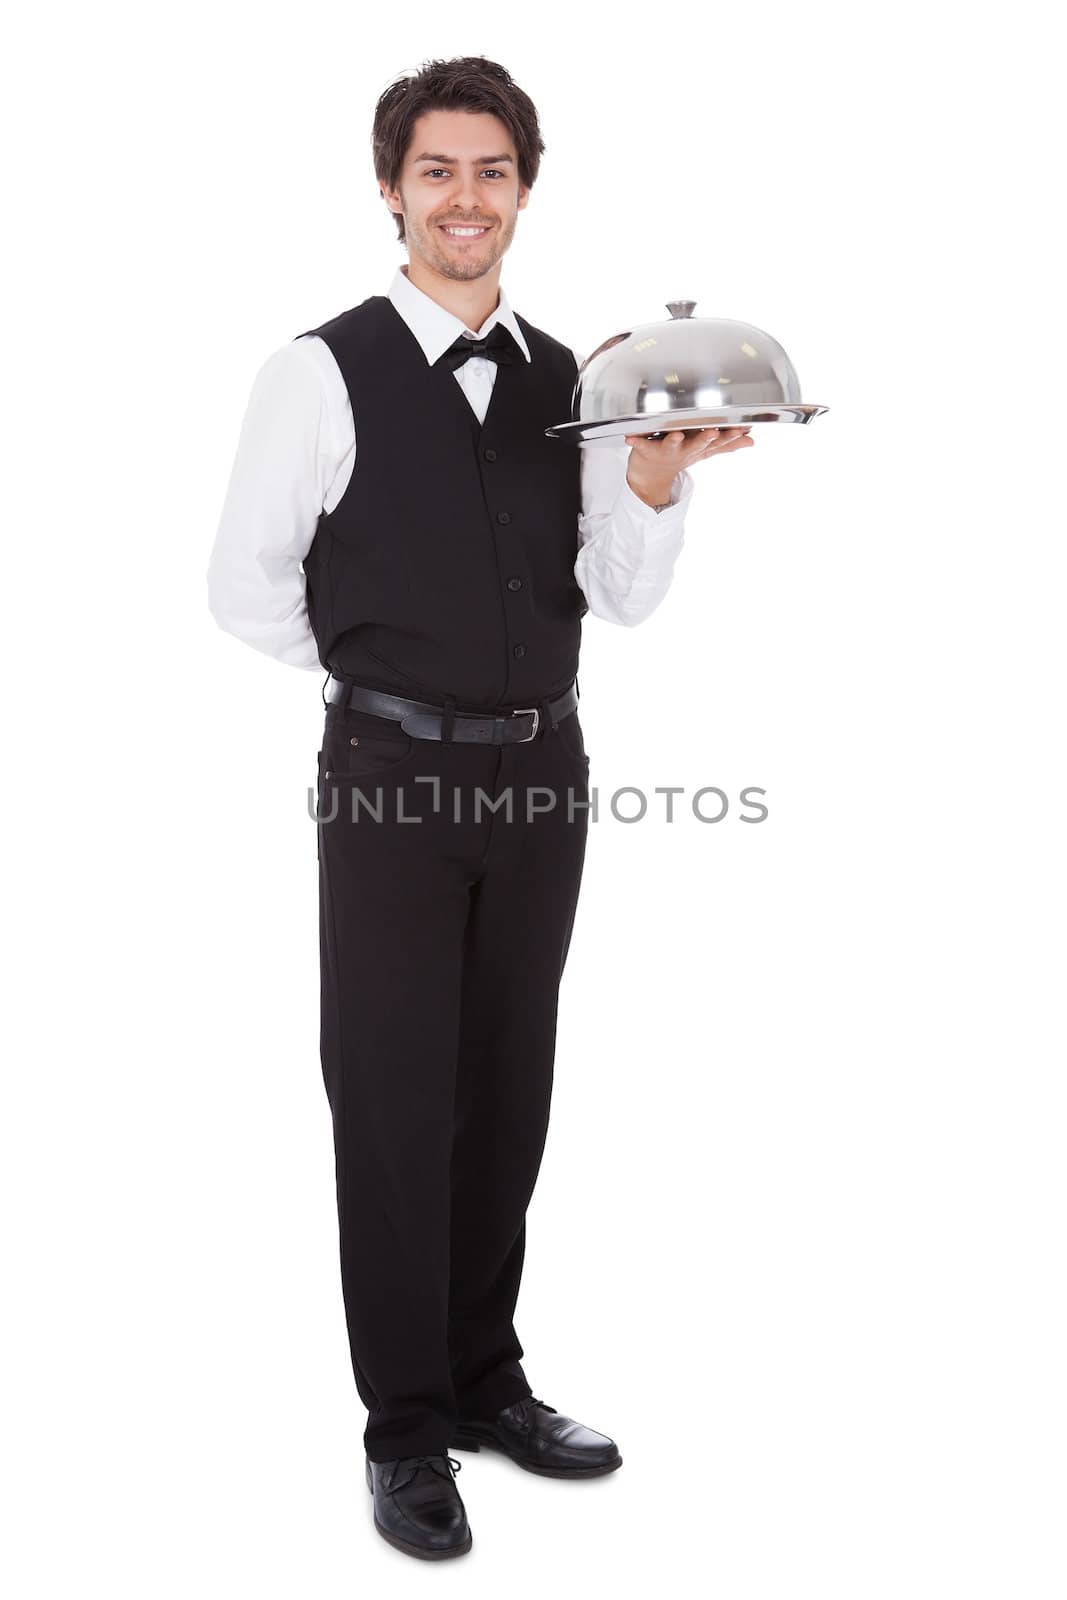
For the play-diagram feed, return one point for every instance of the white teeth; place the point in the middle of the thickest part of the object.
(466, 233)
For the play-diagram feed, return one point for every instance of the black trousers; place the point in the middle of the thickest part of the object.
(443, 937)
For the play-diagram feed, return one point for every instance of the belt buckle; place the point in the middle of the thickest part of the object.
(535, 712)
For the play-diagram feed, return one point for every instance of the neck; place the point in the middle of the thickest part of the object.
(471, 302)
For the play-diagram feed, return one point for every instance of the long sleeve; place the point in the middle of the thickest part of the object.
(627, 549)
(294, 458)
(256, 586)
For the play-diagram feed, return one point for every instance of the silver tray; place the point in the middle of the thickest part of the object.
(656, 424)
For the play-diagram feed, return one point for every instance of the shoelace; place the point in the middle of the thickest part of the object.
(528, 1405)
(416, 1463)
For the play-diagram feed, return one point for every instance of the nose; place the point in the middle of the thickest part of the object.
(466, 198)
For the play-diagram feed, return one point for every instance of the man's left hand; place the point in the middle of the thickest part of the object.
(653, 463)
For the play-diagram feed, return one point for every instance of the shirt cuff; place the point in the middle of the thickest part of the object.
(641, 512)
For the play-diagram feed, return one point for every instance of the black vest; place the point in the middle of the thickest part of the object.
(447, 566)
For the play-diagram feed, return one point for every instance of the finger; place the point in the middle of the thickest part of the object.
(717, 439)
(713, 438)
(714, 434)
(667, 441)
(723, 447)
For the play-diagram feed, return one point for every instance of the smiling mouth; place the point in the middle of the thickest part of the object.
(459, 231)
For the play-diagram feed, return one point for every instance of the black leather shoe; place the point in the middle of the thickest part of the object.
(417, 1507)
(538, 1438)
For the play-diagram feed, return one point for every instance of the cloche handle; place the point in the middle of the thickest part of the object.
(681, 308)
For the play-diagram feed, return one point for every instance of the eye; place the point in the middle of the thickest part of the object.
(432, 170)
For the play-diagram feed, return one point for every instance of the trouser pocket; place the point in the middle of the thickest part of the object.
(358, 745)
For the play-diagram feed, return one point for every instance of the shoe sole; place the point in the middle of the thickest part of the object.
(414, 1549)
(470, 1441)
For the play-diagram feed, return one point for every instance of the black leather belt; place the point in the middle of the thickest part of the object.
(424, 721)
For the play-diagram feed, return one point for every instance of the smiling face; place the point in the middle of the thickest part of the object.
(460, 168)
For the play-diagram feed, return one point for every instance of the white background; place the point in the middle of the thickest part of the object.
(797, 1242)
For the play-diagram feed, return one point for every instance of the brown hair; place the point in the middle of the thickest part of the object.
(466, 83)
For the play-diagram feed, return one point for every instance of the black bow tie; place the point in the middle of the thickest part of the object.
(499, 347)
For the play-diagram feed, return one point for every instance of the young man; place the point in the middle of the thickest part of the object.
(397, 515)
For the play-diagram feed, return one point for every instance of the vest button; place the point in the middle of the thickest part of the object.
(490, 455)
(503, 516)
(519, 650)
(514, 583)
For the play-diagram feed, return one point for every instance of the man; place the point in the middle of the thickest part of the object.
(397, 515)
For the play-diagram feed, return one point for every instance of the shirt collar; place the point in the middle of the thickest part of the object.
(437, 329)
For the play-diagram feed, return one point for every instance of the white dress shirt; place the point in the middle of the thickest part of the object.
(295, 456)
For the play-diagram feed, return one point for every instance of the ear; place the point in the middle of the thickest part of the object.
(524, 195)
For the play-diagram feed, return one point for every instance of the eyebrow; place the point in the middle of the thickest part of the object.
(452, 162)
